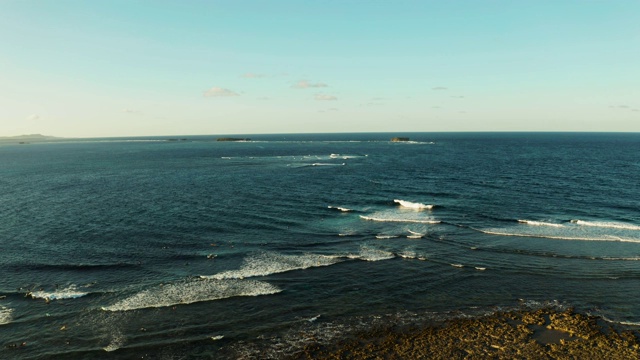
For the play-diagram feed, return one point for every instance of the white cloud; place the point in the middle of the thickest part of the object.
(325, 97)
(304, 84)
(219, 92)
(33, 117)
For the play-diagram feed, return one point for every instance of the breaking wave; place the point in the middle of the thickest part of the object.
(606, 224)
(504, 232)
(70, 292)
(412, 205)
(6, 315)
(343, 209)
(268, 263)
(371, 254)
(539, 223)
(404, 220)
(192, 291)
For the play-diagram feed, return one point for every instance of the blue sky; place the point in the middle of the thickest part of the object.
(125, 68)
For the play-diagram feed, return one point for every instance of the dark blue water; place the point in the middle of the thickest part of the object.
(121, 248)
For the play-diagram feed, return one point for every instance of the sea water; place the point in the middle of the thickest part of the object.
(179, 248)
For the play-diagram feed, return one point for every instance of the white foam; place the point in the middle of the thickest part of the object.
(540, 223)
(607, 224)
(70, 292)
(327, 164)
(6, 315)
(371, 254)
(268, 263)
(217, 337)
(386, 236)
(414, 236)
(481, 268)
(343, 209)
(628, 323)
(339, 156)
(116, 342)
(412, 205)
(408, 255)
(192, 291)
(457, 265)
(503, 232)
(402, 220)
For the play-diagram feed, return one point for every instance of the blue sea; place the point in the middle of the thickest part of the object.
(173, 248)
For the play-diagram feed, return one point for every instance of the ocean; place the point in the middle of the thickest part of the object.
(186, 247)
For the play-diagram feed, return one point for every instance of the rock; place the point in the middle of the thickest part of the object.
(398, 139)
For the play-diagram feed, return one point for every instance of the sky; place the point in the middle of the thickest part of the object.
(104, 68)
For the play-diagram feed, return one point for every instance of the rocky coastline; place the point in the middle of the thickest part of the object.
(527, 334)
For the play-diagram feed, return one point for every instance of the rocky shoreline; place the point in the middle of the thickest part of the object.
(535, 334)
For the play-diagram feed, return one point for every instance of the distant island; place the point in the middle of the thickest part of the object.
(25, 139)
(397, 139)
(232, 139)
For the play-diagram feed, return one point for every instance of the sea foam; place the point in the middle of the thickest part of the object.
(401, 220)
(412, 205)
(343, 209)
(371, 254)
(539, 223)
(607, 224)
(192, 291)
(268, 263)
(70, 292)
(6, 315)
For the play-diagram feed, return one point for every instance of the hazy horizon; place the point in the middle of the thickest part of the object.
(116, 69)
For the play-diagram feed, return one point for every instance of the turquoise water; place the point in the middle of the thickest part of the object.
(146, 247)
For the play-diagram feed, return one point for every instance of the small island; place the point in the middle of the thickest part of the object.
(232, 139)
(398, 139)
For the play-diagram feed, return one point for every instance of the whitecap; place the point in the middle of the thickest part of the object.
(371, 254)
(401, 220)
(268, 263)
(70, 292)
(116, 342)
(217, 337)
(343, 209)
(382, 237)
(457, 265)
(408, 255)
(480, 268)
(505, 232)
(607, 224)
(412, 205)
(6, 315)
(192, 291)
(539, 223)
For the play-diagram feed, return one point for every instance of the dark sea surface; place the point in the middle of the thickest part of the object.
(167, 249)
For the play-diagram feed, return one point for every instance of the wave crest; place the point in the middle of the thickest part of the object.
(412, 205)
(607, 224)
(6, 315)
(268, 263)
(192, 291)
(404, 220)
(539, 223)
(70, 292)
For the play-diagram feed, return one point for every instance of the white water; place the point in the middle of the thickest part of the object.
(70, 292)
(412, 205)
(191, 291)
(268, 263)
